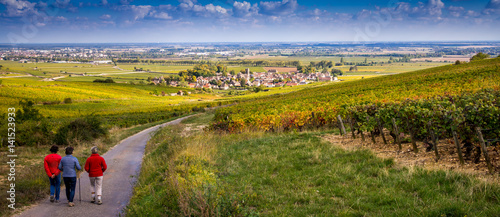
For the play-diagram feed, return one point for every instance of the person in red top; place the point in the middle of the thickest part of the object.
(51, 164)
(95, 166)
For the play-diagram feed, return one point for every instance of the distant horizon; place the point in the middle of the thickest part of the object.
(253, 42)
(230, 21)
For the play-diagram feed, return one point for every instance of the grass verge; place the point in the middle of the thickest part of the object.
(187, 171)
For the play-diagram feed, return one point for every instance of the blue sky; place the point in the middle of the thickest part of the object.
(67, 21)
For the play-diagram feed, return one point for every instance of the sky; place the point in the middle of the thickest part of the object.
(164, 21)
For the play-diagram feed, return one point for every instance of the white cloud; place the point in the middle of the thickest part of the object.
(140, 11)
(60, 19)
(274, 8)
(162, 15)
(105, 17)
(434, 7)
(244, 9)
(456, 11)
(494, 4)
(493, 7)
(215, 9)
(194, 9)
(18, 8)
(107, 22)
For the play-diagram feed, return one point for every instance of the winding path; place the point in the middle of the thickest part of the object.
(124, 163)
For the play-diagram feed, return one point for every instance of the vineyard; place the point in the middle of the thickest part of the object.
(443, 100)
(92, 98)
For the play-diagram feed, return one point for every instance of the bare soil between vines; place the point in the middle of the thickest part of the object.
(425, 159)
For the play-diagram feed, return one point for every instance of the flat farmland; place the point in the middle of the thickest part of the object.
(239, 68)
(155, 67)
(392, 68)
(308, 59)
(281, 69)
(55, 68)
(451, 58)
(117, 77)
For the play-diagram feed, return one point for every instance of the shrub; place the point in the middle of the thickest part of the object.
(480, 56)
(31, 133)
(68, 101)
(198, 109)
(81, 129)
(108, 80)
(27, 112)
(52, 102)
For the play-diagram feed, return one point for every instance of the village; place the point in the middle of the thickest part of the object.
(269, 79)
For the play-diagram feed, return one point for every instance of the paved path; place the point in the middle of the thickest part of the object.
(124, 162)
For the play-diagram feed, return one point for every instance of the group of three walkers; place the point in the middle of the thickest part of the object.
(68, 165)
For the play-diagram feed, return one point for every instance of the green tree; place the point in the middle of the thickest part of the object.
(457, 62)
(243, 82)
(480, 56)
(329, 64)
(27, 112)
(336, 72)
(220, 68)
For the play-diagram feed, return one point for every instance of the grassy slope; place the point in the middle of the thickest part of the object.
(196, 172)
(299, 175)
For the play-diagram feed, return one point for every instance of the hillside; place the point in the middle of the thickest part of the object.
(188, 171)
(320, 106)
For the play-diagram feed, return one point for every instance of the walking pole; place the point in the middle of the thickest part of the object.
(79, 188)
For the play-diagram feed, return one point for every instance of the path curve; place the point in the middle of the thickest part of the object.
(124, 163)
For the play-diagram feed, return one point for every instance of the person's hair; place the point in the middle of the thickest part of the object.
(69, 150)
(94, 150)
(54, 149)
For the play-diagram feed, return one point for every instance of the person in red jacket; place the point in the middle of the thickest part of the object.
(51, 163)
(95, 166)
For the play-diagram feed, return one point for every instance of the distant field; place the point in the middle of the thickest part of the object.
(126, 73)
(155, 67)
(392, 68)
(282, 69)
(307, 60)
(451, 58)
(239, 68)
(118, 77)
(55, 68)
(355, 77)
